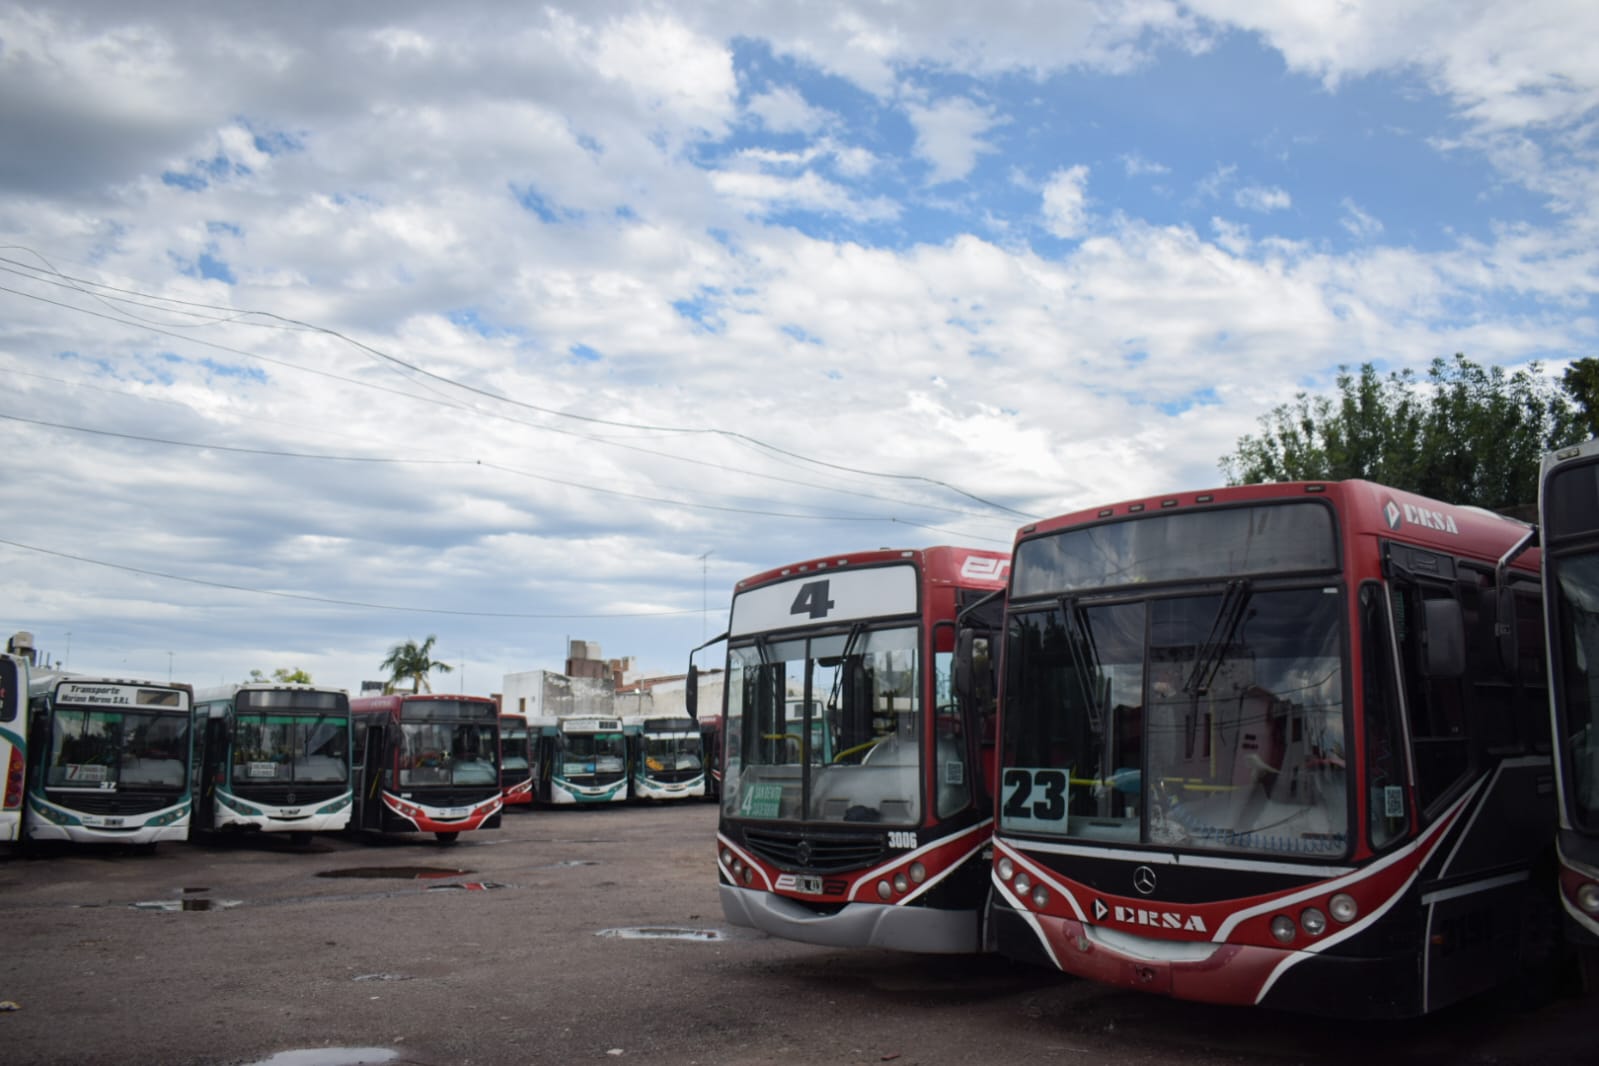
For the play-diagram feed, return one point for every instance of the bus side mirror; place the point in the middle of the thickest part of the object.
(691, 692)
(1446, 638)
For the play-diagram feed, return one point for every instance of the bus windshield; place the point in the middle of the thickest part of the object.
(448, 753)
(1210, 722)
(826, 729)
(593, 753)
(107, 750)
(672, 751)
(1577, 593)
(290, 747)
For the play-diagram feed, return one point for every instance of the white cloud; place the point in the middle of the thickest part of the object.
(1263, 198)
(949, 136)
(1360, 224)
(784, 110)
(1066, 202)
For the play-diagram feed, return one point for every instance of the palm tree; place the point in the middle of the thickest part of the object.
(413, 661)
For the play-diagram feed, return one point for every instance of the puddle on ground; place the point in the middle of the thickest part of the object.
(331, 1056)
(398, 873)
(568, 862)
(662, 932)
(382, 977)
(186, 904)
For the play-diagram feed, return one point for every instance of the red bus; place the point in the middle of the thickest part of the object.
(426, 763)
(516, 760)
(854, 811)
(1284, 745)
(1568, 516)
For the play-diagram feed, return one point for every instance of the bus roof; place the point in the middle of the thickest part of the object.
(942, 563)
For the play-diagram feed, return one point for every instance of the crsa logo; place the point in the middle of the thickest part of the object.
(1148, 919)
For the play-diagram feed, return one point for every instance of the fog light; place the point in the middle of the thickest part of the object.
(1312, 921)
(1282, 927)
(1040, 897)
(900, 884)
(1006, 868)
(1343, 907)
(1023, 883)
(883, 891)
(918, 872)
(1588, 897)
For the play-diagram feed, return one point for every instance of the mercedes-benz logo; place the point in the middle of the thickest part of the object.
(803, 853)
(1144, 880)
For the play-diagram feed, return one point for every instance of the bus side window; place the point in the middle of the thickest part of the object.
(1438, 726)
(1387, 819)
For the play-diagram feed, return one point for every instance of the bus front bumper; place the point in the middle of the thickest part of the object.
(855, 925)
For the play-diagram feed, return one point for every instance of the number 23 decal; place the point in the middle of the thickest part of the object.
(1034, 795)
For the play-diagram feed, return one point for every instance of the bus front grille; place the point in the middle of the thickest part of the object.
(809, 850)
(112, 802)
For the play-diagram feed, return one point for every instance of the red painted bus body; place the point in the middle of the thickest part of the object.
(1264, 745)
(516, 761)
(1568, 517)
(854, 811)
(426, 762)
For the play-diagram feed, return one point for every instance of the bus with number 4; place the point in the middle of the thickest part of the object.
(426, 763)
(854, 808)
(272, 757)
(109, 760)
(1568, 518)
(1279, 745)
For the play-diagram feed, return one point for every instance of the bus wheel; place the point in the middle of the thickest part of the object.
(447, 838)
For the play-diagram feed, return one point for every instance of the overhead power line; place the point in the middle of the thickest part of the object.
(332, 601)
(553, 412)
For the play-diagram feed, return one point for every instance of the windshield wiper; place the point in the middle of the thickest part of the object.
(1085, 657)
(1210, 655)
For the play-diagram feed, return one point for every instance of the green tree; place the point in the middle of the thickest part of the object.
(413, 662)
(1469, 434)
(284, 676)
(1581, 380)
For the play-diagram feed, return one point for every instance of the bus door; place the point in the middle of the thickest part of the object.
(373, 759)
(210, 760)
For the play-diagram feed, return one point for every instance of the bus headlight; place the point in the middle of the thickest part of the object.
(1283, 929)
(1343, 907)
(1312, 921)
(1040, 897)
(1588, 897)
(918, 872)
(1006, 868)
(749, 876)
(1023, 883)
(883, 891)
(900, 884)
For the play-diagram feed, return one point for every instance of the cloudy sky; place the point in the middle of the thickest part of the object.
(325, 327)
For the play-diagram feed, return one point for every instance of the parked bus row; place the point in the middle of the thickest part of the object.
(103, 759)
(1280, 745)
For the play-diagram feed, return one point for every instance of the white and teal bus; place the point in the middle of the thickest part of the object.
(666, 758)
(109, 760)
(579, 760)
(272, 757)
(13, 743)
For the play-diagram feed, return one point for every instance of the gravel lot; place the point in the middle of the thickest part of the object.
(238, 951)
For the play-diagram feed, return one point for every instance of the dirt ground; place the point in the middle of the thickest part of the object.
(570, 936)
